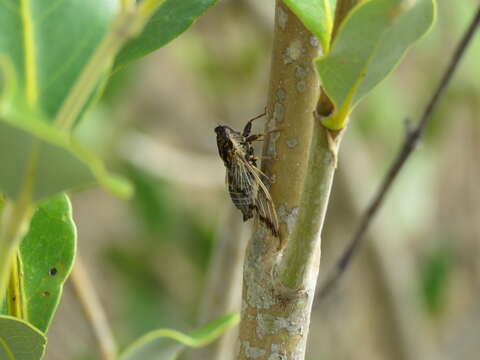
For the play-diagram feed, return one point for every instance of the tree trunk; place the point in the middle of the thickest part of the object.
(279, 281)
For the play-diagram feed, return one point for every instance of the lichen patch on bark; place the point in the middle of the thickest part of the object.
(281, 94)
(253, 352)
(287, 217)
(272, 144)
(277, 353)
(293, 52)
(291, 143)
(282, 17)
(278, 113)
(259, 297)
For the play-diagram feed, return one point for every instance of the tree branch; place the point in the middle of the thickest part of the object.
(409, 144)
(275, 320)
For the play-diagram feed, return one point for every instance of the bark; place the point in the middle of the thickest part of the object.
(278, 283)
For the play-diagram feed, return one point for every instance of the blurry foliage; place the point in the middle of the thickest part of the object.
(226, 67)
(144, 303)
(226, 58)
(165, 225)
(154, 204)
(435, 272)
(165, 220)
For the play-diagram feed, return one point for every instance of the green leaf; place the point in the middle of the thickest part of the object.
(19, 340)
(49, 42)
(167, 344)
(317, 16)
(370, 43)
(168, 22)
(62, 163)
(47, 253)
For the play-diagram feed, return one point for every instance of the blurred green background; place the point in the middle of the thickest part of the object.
(414, 290)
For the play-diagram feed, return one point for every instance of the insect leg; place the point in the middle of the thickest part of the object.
(260, 136)
(248, 127)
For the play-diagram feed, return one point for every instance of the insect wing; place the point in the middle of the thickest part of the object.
(263, 201)
(241, 185)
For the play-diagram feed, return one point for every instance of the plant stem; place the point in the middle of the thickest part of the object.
(15, 294)
(14, 224)
(299, 258)
(16, 221)
(279, 288)
(274, 323)
(93, 71)
(93, 310)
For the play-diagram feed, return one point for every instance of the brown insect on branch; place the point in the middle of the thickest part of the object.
(247, 184)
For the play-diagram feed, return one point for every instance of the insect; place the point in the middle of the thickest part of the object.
(247, 184)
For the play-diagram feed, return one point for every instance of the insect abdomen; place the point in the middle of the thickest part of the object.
(244, 204)
(242, 197)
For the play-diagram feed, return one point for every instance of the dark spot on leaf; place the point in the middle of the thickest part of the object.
(46, 293)
(53, 272)
(14, 298)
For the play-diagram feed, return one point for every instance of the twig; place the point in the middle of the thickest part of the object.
(406, 150)
(88, 298)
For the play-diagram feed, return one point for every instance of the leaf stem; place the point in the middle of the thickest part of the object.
(15, 220)
(15, 293)
(324, 106)
(14, 224)
(127, 24)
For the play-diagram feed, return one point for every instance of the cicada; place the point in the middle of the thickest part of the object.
(247, 184)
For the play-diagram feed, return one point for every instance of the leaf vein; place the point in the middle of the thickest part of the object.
(29, 52)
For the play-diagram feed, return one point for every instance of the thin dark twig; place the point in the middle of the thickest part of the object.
(409, 144)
